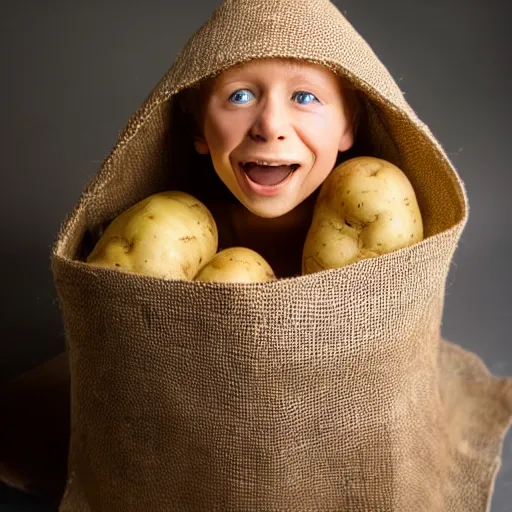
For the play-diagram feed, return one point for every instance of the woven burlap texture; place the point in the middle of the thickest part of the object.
(327, 392)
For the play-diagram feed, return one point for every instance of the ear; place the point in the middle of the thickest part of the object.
(346, 139)
(201, 145)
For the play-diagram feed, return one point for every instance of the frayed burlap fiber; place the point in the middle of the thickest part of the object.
(327, 392)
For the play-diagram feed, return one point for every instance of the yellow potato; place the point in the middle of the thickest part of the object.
(170, 235)
(366, 207)
(236, 265)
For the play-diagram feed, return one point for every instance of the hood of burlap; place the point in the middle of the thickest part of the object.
(331, 391)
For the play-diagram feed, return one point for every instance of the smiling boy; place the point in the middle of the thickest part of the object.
(274, 129)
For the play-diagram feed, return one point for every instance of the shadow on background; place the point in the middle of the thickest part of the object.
(12, 500)
(32, 325)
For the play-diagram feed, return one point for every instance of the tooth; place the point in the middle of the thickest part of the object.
(262, 162)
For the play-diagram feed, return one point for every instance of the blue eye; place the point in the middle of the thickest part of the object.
(306, 96)
(240, 97)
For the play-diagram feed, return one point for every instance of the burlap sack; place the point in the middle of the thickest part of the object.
(332, 391)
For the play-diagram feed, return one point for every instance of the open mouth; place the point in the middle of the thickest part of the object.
(267, 175)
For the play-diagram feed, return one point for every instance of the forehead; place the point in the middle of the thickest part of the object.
(290, 68)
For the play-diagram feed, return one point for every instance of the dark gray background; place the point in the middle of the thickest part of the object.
(74, 72)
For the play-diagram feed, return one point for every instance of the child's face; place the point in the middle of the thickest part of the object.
(274, 111)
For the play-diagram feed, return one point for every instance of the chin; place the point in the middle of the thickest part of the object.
(267, 211)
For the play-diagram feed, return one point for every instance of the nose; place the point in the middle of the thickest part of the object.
(271, 122)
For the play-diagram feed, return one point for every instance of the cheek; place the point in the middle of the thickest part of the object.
(322, 134)
(224, 131)
(213, 133)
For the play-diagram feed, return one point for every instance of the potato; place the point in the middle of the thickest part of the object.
(170, 235)
(366, 207)
(236, 265)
